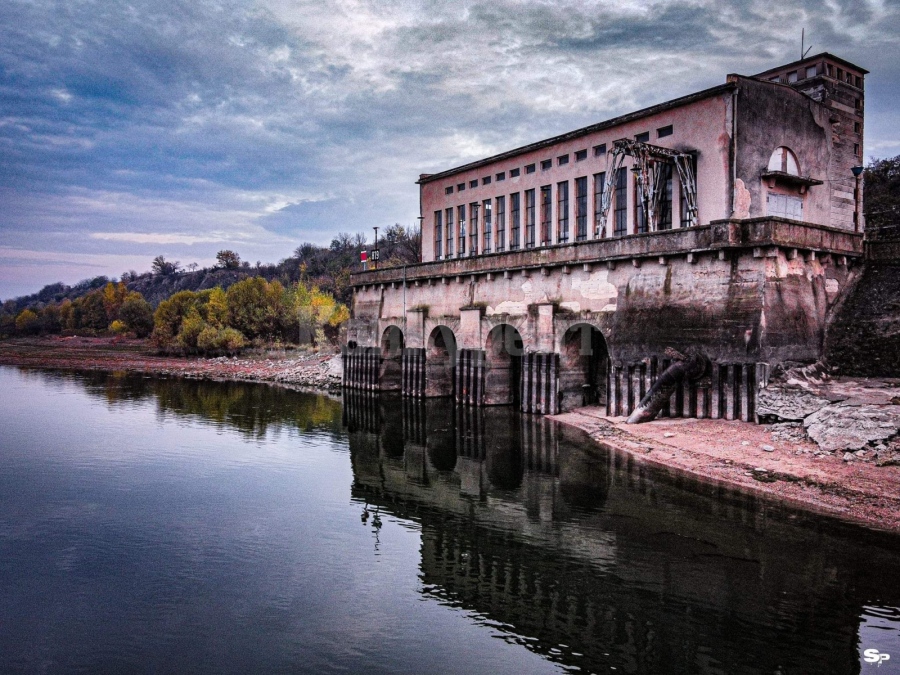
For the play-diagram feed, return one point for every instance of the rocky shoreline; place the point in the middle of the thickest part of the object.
(298, 369)
(833, 446)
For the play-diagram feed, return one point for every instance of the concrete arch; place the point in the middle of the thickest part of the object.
(440, 362)
(519, 322)
(504, 349)
(390, 375)
(583, 366)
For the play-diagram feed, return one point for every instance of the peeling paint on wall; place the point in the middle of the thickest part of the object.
(596, 287)
(742, 200)
(508, 307)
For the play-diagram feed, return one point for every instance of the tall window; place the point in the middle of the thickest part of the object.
(529, 218)
(449, 217)
(599, 187)
(664, 210)
(501, 223)
(461, 236)
(473, 228)
(562, 211)
(620, 214)
(488, 225)
(581, 209)
(438, 234)
(685, 216)
(515, 220)
(640, 217)
(546, 213)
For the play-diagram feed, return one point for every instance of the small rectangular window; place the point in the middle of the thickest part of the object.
(448, 190)
(859, 81)
(530, 168)
(486, 180)
(859, 104)
(514, 173)
(500, 176)
(546, 164)
(811, 71)
(829, 70)
(580, 155)
(461, 232)
(564, 159)
(642, 137)
(460, 187)
(857, 127)
(849, 78)
(473, 183)
(487, 219)
(777, 78)
(840, 74)
(662, 132)
(785, 206)
(792, 77)
(856, 149)
(600, 150)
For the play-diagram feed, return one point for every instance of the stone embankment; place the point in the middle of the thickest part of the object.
(300, 369)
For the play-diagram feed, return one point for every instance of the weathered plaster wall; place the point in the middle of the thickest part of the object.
(770, 115)
(762, 305)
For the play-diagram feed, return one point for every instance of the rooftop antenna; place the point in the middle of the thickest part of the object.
(804, 50)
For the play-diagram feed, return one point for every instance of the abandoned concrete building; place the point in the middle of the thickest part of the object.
(574, 270)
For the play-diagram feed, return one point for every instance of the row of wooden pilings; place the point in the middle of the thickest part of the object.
(727, 392)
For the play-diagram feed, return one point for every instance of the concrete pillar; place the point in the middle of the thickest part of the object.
(745, 388)
(470, 336)
(546, 336)
(715, 392)
(729, 392)
(414, 333)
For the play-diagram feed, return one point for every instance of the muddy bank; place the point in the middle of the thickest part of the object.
(299, 369)
(775, 461)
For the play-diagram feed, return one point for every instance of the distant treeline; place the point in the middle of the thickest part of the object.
(252, 311)
(303, 298)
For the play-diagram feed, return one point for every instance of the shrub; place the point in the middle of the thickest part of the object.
(27, 322)
(118, 327)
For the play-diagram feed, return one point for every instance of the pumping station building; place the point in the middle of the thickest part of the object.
(575, 270)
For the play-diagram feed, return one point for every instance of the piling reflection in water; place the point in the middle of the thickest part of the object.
(596, 561)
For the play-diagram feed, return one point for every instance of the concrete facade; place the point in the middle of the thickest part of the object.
(593, 318)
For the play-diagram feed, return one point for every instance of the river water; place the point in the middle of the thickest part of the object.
(159, 525)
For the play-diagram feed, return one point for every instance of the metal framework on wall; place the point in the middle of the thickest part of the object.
(648, 163)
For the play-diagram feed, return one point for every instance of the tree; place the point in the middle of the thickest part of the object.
(882, 193)
(228, 260)
(137, 314)
(163, 267)
(27, 322)
(256, 307)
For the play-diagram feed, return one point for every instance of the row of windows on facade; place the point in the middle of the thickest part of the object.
(516, 216)
(811, 71)
(547, 164)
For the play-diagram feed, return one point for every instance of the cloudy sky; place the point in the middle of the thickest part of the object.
(134, 128)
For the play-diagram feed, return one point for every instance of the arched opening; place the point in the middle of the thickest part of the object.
(583, 362)
(503, 366)
(784, 160)
(440, 361)
(390, 377)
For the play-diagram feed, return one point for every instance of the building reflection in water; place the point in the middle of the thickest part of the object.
(597, 561)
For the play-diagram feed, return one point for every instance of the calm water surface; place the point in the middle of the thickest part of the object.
(153, 525)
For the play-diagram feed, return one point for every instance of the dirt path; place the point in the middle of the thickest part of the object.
(771, 461)
(301, 368)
